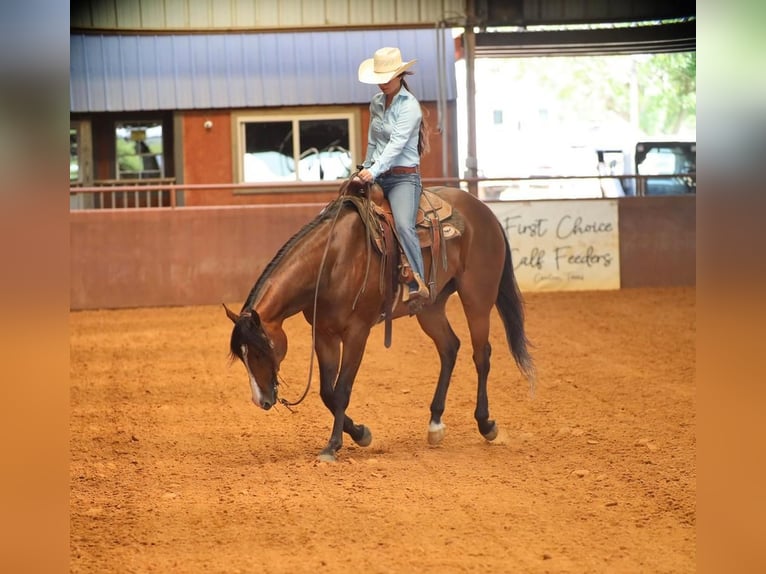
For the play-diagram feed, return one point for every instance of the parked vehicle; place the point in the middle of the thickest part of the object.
(672, 166)
(545, 172)
(556, 172)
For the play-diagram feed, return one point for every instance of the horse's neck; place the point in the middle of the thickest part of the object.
(283, 295)
(290, 286)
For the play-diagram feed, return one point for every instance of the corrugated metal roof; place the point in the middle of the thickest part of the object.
(177, 72)
(184, 16)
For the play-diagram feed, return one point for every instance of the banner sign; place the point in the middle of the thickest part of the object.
(562, 245)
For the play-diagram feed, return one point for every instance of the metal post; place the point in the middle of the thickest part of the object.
(470, 49)
(441, 59)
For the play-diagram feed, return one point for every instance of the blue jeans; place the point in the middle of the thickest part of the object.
(403, 193)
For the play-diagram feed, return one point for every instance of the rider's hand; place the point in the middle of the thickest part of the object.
(365, 175)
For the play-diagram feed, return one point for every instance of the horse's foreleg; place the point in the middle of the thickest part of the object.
(434, 323)
(353, 350)
(328, 354)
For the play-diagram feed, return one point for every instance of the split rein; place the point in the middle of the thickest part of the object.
(284, 402)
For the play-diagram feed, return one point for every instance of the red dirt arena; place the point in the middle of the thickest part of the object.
(173, 469)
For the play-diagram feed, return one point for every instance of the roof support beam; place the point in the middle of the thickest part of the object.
(679, 37)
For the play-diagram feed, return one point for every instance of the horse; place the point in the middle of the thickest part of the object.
(328, 272)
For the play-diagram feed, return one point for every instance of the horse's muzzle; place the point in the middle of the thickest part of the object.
(265, 404)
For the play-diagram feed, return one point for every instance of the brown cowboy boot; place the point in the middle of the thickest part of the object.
(419, 290)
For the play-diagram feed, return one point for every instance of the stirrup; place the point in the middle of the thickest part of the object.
(422, 291)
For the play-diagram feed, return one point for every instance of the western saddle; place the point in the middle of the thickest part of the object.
(436, 222)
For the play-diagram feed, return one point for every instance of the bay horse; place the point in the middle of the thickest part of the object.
(326, 271)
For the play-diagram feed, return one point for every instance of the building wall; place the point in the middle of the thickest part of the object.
(208, 157)
(144, 72)
(208, 255)
(103, 137)
(187, 78)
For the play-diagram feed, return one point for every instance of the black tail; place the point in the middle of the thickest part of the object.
(511, 308)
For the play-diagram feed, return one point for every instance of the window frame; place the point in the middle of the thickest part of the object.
(133, 122)
(84, 152)
(295, 116)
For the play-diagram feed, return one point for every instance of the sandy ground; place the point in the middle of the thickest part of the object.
(173, 469)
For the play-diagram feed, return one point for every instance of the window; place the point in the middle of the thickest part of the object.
(74, 156)
(139, 150)
(295, 148)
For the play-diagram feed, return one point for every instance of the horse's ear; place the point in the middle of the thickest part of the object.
(230, 314)
(255, 319)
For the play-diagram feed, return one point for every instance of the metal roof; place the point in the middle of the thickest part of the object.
(111, 73)
(185, 16)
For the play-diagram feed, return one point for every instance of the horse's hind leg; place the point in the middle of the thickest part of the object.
(328, 355)
(477, 313)
(434, 323)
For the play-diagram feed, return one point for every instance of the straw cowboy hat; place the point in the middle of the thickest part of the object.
(386, 64)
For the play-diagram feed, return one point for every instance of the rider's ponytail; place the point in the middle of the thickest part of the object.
(423, 144)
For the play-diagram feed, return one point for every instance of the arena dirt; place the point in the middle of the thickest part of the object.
(173, 469)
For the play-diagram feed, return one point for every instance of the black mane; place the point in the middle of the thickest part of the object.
(327, 212)
(250, 333)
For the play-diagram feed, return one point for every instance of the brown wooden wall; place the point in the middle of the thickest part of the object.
(209, 255)
(163, 257)
(658, 241)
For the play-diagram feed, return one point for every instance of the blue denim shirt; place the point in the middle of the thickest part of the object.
(393, 135)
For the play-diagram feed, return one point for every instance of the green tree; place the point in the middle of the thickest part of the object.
(584, 88)
(668, 93)
(126, 156)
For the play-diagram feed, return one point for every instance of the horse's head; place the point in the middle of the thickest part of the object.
(251, 344)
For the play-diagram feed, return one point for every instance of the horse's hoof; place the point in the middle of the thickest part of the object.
(366, 437)
(326, 457)
(491, 434)
(436, 433)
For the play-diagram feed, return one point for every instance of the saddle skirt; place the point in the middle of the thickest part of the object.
(433, 208)
(432, 205)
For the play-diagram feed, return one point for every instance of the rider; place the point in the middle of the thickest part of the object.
(395, 142)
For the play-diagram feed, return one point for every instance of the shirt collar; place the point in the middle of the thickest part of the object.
(402, 93)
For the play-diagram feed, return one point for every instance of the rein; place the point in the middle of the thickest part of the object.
(287, 404)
